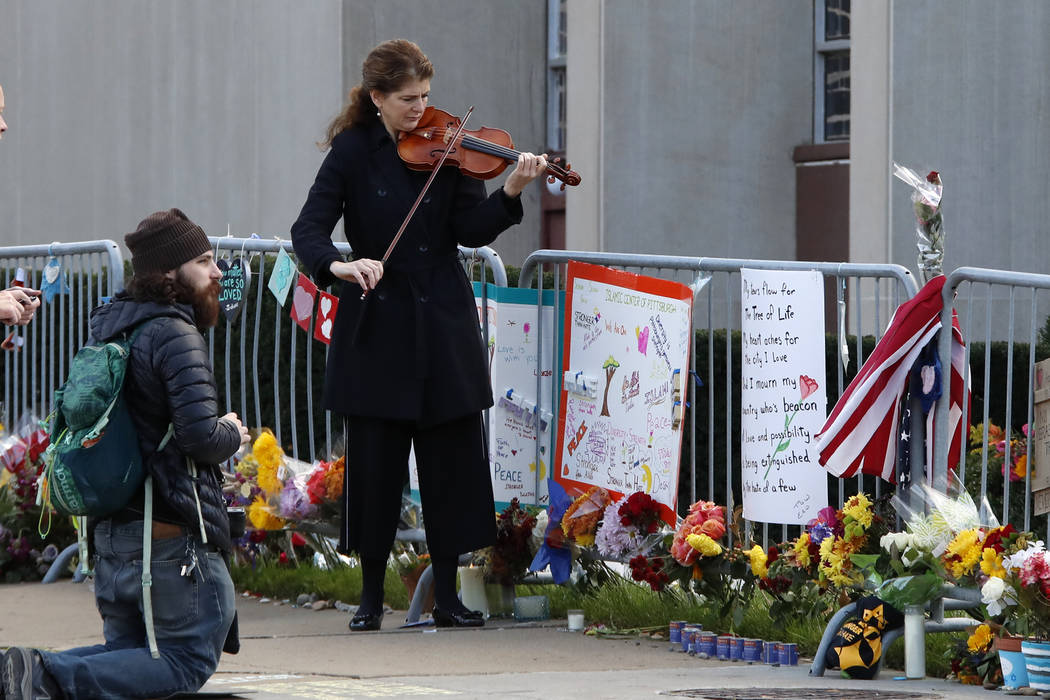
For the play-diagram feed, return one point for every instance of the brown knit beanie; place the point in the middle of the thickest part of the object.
(165, 240)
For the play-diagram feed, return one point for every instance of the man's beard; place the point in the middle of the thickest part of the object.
(205, 302)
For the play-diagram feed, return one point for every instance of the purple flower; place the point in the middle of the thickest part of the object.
(294, 504)
(818, 533)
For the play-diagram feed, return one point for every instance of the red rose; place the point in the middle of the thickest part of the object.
(933, 176)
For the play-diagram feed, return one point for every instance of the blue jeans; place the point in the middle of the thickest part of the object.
(191, 617)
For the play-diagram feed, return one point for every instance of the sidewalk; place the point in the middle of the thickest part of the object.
(293, 653)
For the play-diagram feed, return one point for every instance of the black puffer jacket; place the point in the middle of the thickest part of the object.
(170, 380)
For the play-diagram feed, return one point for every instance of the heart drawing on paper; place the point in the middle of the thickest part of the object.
(326, 306)
(302, 303)
(807, 385)
(643, 339)
(326, 327)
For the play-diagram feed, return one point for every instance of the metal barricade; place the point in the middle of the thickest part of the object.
(869, 292)
(91, 271)
(1026, 303)
(269, 371)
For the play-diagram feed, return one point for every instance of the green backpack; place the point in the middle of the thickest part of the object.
(93, 465)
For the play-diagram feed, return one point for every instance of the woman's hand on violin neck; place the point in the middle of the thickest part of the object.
(364, 272)
(529, 167)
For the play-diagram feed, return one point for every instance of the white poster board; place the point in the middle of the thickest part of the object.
(783, 399)
(626, 357)
(513, 343)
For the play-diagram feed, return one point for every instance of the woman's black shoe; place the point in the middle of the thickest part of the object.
(366, 622)
(459, 618)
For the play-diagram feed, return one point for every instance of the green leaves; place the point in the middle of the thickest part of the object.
(910, 590)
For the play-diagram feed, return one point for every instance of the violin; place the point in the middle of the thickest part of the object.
(481, 153)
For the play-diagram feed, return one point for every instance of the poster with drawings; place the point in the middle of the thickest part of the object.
(625, 369)
(513, 344)
(518, 414)
(783, 396)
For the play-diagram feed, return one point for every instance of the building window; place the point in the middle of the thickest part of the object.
(831, 70)
(836, 19)
(557, 42)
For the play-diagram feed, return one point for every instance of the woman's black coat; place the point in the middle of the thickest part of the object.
(412, 350)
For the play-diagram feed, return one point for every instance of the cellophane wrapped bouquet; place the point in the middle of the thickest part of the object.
(289, 496)
(926, 202)
(29, 542)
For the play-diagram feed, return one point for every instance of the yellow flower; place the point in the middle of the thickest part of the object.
(802, 549)
(260, 516)
(267, 452)
(980, 639)
(758, 561)
(268, 481)
(992, 563)
(704, 544)
(826, 546)
(964, 552)
(859, 508)
(1020, 467)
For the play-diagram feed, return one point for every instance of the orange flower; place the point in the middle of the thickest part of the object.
(333, 480)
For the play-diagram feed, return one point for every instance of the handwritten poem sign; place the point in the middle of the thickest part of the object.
(783, 398)
(627, 342)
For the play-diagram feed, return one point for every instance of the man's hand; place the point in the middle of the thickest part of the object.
(232, 417)
(18, 305)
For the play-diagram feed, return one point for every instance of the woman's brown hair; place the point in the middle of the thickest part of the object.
(387, 69)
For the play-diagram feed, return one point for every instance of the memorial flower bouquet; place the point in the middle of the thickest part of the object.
(629, 527)
(29, 540)
(581, 518)
(847, 542)
(926, 201)
(1020, 589)
(507, 561)
(973, 660)
(281, 494)
(995, 445)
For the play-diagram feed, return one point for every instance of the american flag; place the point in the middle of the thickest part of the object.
(860, 435)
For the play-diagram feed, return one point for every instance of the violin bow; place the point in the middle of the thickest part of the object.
(433, 174)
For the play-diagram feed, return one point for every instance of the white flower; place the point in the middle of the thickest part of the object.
(1014, 562)
(996, 595)
(902, 540)
(539, 532)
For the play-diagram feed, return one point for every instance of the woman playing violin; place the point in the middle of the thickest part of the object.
(407, 365)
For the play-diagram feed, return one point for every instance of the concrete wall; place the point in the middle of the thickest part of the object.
(971, 99)
(121, 108)
(682, 121)
(961, 87)
(487, 53)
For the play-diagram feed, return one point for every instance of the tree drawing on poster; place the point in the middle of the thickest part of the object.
(627, 342)
(514, 346)
(783, 400)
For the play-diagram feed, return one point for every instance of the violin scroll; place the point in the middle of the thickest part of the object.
(567, 175)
